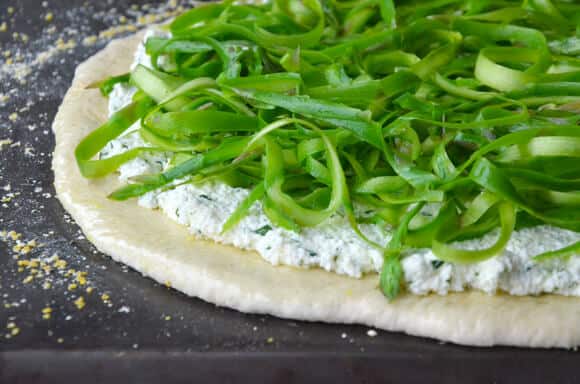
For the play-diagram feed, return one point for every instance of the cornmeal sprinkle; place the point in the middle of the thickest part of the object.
(14, 235)
(36, 267)
(80, 302)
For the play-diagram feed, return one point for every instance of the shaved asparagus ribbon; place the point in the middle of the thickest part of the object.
(469, 107)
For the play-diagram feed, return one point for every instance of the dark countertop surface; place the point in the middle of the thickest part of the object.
(143, 331)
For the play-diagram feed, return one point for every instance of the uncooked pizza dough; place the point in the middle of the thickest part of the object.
(153, 244)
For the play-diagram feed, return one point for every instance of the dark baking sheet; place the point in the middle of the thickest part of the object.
(146, 332)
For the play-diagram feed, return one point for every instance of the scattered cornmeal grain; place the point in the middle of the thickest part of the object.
(72, 286)
(4, 142)
(90, 40)
(81, 278)
(60, 340)
(270, 340)
(13, 116)
(15, 331)
(3, 27)
(59, 263)
(14, 235)
(65, 45)
(49, 16)
(21, 248)
(167, 318)
(28, 279)
(10, 10)
(10, 325)
(105, 297)
(116, 30)
(80, 302)
(89, 290)
(168, 284)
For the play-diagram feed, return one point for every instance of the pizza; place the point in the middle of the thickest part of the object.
(411, 166)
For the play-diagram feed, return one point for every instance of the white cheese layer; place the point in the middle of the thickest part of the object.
(334, 246)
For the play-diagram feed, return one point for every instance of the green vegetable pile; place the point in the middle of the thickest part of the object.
(469, 107)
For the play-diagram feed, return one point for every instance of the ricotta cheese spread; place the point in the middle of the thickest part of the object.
(333, 245)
